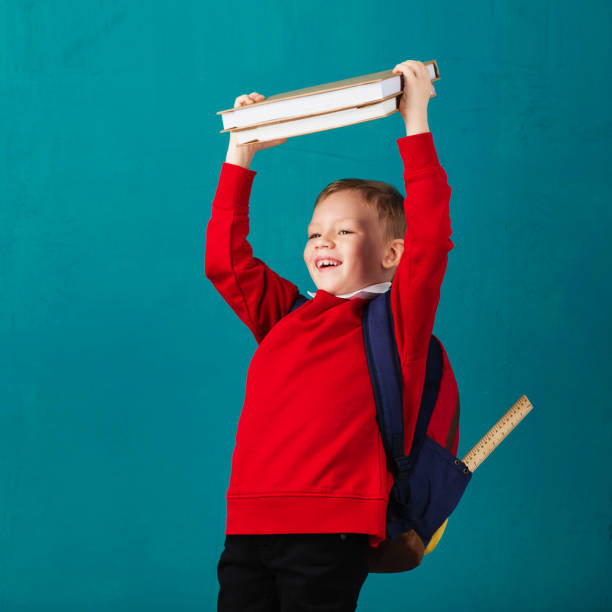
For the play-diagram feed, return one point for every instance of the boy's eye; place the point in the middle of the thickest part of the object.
(313, 235)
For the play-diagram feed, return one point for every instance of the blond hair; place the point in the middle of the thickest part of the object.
(383, 197)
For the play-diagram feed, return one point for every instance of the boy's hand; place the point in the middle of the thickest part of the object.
(242, 154)
(418, 88)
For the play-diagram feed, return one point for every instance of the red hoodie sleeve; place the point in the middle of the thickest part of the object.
(415, 289)
(258, 295)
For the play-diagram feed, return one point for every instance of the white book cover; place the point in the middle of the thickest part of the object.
(318, 123)
(334, 96)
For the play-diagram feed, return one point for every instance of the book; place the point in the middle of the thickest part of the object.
(348, 97)
(288, 128)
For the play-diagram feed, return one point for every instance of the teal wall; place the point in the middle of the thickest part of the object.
(122, 371)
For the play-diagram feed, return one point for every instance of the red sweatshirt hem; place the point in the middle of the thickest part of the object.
(317, 514)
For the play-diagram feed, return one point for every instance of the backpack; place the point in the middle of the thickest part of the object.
(429, 482)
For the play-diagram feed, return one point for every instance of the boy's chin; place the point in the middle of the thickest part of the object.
(331, 287)
(335, 286)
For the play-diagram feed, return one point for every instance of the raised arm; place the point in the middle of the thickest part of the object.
(415, 290)
(258, 295)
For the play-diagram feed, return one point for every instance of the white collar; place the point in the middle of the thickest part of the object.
(364, 292)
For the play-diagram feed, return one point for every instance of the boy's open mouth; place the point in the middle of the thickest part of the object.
(326, 263)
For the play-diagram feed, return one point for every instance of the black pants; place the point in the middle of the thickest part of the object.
(292, 572)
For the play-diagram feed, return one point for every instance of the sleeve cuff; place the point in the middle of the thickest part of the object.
(418, 151)
(234, 187)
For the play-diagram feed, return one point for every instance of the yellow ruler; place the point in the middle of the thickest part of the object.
(497, 433)
(486, 446)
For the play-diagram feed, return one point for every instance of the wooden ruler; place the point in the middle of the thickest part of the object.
(497, 433)
(486, 446)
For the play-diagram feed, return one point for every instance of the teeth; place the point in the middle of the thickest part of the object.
(321, 263)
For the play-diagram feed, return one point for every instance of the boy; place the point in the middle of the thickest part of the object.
(310, 482)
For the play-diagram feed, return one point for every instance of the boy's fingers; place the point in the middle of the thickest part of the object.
(247, 99)
(406, 70)
(412, 68)
(239, 101)
(418, 65)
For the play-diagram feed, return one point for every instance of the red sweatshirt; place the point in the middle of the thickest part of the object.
(309, 456)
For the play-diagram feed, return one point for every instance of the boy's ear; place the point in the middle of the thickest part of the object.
(393, 254)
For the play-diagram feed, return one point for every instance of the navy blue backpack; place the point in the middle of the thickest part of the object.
(429, 482)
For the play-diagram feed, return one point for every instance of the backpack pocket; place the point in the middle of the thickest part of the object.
(430, 490)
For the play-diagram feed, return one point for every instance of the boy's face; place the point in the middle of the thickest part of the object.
(345, 229)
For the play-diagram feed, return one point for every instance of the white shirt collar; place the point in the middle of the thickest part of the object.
(364, 292)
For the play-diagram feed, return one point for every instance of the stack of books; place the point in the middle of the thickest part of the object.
(318, 108)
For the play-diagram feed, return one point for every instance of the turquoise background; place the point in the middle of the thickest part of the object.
(122, 370)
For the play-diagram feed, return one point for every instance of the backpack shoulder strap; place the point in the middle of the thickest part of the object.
(386, 374)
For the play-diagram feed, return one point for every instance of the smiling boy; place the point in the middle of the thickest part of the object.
(310, 482)
(348, 248)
